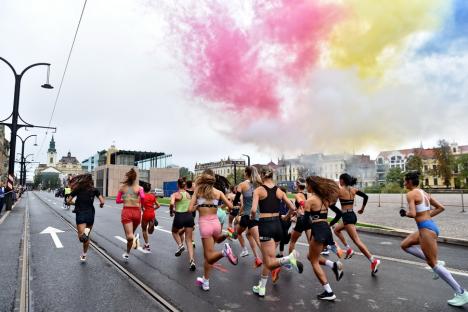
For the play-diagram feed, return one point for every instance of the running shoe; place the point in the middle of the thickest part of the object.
(192, 265)
(275, 275)
(279, 255)
(459, 299)
(245, 252)
(125, 257)
(338, 270)
(339, 252)
(180, 250)
(232, 233)
(147, 247)
(328, 296)
(258, 262)
(435, 276)
(84, 237)
(203, 283)
(227, 252)
(259, 290)
(296, 264)
(375, 266)
(349, 253)
(325, 252)
(83, 258)
(193, 244)
(287, 267)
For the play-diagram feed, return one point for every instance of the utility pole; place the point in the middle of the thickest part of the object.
(14, 126)
(23, 160)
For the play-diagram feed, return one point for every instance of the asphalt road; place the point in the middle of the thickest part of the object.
(60, 283)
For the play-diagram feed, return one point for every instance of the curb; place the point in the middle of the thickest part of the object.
(404, 233)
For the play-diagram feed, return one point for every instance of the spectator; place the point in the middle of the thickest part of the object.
(2, 196)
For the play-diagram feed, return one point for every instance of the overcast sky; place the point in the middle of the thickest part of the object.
(123, 84)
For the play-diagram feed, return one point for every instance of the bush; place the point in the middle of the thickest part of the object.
(392, 188)
(373, 189)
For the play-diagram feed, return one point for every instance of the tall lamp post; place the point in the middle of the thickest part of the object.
(23, 160)
(248, 159)
(24, 163)
(14, 124)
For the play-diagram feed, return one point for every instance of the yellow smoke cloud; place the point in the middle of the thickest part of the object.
(373, 36)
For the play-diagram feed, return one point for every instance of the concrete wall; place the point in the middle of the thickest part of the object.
(160, 175)
(109, 178)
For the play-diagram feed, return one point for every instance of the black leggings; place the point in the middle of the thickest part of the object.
(285, 225)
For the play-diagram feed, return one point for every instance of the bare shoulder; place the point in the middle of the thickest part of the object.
(123, 188)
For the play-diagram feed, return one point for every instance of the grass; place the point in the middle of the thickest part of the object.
(164, 200)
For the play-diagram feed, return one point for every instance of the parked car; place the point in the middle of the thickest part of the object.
(158, 192)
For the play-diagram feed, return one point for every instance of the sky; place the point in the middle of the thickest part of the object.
(211, 79)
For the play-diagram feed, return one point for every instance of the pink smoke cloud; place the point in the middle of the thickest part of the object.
(224, 64)
(299, 27)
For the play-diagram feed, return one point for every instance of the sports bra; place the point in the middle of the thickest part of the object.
(317, 215)
(347, 202)
(422, 206)
(202, 202)
(132, 199)
(270, 204)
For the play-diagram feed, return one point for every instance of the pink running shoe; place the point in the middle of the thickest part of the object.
(227, 252)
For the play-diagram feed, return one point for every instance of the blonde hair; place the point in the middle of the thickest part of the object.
(205, 186)
(252, 174)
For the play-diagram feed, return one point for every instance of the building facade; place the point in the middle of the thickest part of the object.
(222, 167)
(430, 177)
(4, 153)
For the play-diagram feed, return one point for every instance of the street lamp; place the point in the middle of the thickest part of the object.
(248, 159)
(23, 159)
(14, 124)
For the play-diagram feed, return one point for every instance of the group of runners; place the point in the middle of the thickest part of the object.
(270, 220)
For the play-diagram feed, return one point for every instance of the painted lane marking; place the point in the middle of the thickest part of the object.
(5, 216)
(419, 264)
(125, 241)
(53, 233)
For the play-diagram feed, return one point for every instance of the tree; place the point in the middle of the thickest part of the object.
(50, 180)
(462, 163)
(445, 162)
(395, 175)
(185, 173)
(239, 177)
(414, 163)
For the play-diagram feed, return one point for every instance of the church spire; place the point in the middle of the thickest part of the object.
(52, 146)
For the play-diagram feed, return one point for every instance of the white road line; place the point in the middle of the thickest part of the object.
(419, 264)
(5, 216)
(125, 241)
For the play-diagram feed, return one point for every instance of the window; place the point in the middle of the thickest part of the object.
(51, 160)
(435, 181)
(455, 170)
(454, 149)
(426, 182)
(426, 168)
(434, 167)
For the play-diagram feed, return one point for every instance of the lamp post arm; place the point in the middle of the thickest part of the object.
(9, 65)
(31, 66)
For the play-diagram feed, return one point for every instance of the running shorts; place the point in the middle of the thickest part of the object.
(270, 229)
(148, 215)
(131, 215)
(183, 220)
(234, 212)
(86, 216)
(301, 224)
(322, 233)
(209, 226)
(349, 218)
(429, 225)
(246, 222)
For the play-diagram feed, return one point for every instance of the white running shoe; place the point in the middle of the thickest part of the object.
(83, 257)
(136, 241)
(459, 299)
(125, 257)
(260, 291)
(203, 283)
(245, 252)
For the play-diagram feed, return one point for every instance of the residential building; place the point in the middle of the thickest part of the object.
(430, 178)
(222, 167)
(4, 153)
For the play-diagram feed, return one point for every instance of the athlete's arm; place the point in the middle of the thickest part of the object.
(156, 204)
(438, 207)
(226, 202)
(172, 204)
(411, 213)
(364, 202)
(119, 199)
(238, 195)
(193, 202)
(255, 199)
(337, 212)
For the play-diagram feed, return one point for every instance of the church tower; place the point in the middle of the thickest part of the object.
(51, 154)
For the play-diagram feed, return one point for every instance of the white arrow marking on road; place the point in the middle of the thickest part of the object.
(53, 233)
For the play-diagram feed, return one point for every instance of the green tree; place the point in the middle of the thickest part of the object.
(445, 162)
(414, 162)
(185, 173)
(462, 163)
(50, 180)
(239, 177)
(395, 175)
